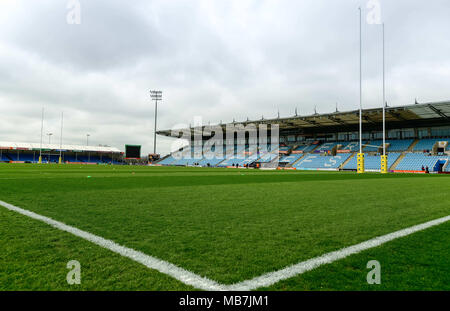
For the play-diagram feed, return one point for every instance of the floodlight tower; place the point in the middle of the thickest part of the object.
(49, 137)
(42, 130)
(87, 144)
(61, 139)
(155, 95)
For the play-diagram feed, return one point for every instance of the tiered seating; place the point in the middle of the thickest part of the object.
(87, 159)
(241, 158)
(109, 160)
(235, 160)
(301, 148)
(20, 157)
(305, 148)
(373, 145)
(394, 145)
(415, 161)
(68, 158)
(187, 161)
(268, 157)
(285, 149)
(321, 162)
(399, 145)
(427, 144)
(291, 159)
(326, 147)
(5, 158)
(372, 162)
(212, 161)
(28, 158)
(310, 148)
(167, 161)
(351, 146)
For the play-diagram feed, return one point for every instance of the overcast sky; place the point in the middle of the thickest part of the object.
(218, 59)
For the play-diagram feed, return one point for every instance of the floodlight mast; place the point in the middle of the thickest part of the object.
(49, 137)
(61, 138)
(42, 130)
(155, 95)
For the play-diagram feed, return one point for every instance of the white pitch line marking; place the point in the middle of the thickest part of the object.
(204, 283)
(310, 264)
(162, 266)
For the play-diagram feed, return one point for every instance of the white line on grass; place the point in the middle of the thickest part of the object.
(204, 283)
(310, 264)
(162, 266)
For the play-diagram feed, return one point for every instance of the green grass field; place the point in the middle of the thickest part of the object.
(228, 225)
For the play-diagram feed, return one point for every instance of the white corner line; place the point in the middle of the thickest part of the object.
(310, 264)
(199, 282)
(162, 266)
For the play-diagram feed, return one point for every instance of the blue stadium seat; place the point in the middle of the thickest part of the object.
(291, 159)
(372, 162)
(415, 161)
(427, 144)
(321, 162)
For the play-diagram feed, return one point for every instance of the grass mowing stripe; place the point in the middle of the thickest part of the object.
(308, 265)
(207, 284)
(178, 273)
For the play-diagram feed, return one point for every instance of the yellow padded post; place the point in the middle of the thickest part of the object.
(384, 164)
(360, 163)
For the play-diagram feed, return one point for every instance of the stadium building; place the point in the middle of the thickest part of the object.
(16, 152)
(417, 137)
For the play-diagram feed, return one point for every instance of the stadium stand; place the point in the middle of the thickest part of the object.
(415, 161)
(326, 147)
(269, 157)
(372, 162)
(393, 145)
(284, 149)
(428, 144)
(29, 153)
(287, 160)
(399, 145)
(321, 162)
(167, 161)
(351, 146)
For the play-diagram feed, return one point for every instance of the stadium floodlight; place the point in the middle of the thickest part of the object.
(155, 95)
(60, 139)
(42, 133)
(87, 144)
(49, 137)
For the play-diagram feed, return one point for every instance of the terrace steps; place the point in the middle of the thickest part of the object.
(298, 160)
(348, 160)
(411, 148)
(400, 158)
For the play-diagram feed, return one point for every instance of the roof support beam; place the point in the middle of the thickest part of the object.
(439, 112)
